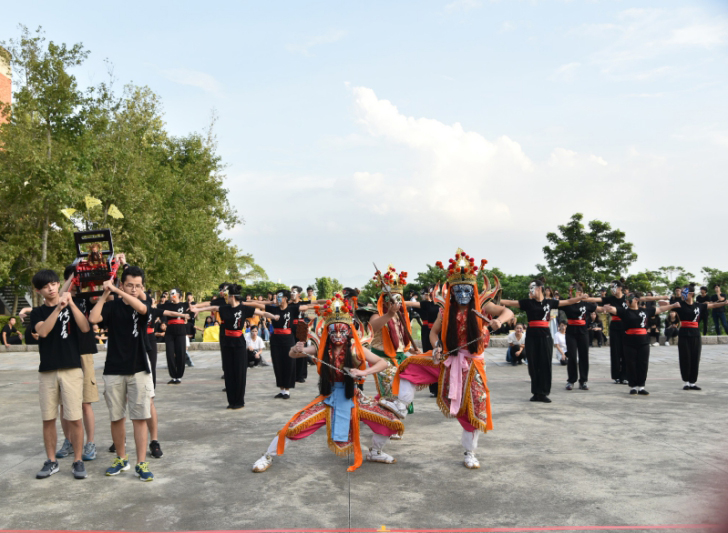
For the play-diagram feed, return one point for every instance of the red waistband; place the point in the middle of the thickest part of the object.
(233, 332)
(685, 324)
(616, 319)
(576, 322)
(277, 331)
(150, 330)
(175, 321)
(636, 331)
(428, 324)
(538, 324)
(295, 321)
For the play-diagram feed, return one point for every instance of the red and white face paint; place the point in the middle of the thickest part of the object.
(339, 333)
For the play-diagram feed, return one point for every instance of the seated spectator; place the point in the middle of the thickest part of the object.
(560, 344)
(672, 328)
(160, 330)
(209, 321)
(596, 330)
(10, 334)
(98, 334)
(507, 327)
(653, 327)
(516, 352)
(255, 346)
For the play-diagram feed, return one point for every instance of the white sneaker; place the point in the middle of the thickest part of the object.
(470, 461)
(263, 464)
(396, 407)
(396, 436)
(378, 456)
(655, 344)
(667, 343)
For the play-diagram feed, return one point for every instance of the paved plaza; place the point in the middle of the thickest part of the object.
(591, 458)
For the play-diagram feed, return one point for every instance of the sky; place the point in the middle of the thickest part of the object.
(396, 132)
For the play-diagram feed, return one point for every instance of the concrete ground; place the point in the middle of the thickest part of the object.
(591, 459)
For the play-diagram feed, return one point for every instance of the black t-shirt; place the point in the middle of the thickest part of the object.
(125, 352)
(578, 311)
(152, 315)
(285, 316)
(428, 313)
(59, 349)
(691, 313)
(218, 302)
(538, 312)
(232, 324)
(29, 339)
(9, 331)
(619, 303)
(295, 311)
(636, 319)
(181, 307)
(87, 343)
(702, 299)
(715, 299)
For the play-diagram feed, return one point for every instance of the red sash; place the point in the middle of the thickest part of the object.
(428, 324)
(233, 333)
(150, 330)
(616, 319)
(175, 321)
(576, 322)
(277, 331)
(636, 331)
(685, 324)
(538, 324)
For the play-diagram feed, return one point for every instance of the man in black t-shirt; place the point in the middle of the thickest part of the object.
(61, 378)
(719, 313)
(703, 298)
(10, 334)
(127, 373)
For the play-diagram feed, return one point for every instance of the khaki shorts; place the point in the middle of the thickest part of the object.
(90, 389)
(61, 387)
(136, 390)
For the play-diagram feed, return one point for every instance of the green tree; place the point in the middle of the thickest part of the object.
(648, 280)
(676, 276)
(327, 287)
(714, 277)
(592, 257)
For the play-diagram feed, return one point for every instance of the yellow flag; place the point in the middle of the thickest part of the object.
(68, 212)
(91, 202)
(114, 212)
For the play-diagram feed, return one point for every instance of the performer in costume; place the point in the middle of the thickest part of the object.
(388, 325)
(175, 338)
(636, 339)
(429, 311)
(689, 342)
(457, 364)
(539, 343)
(300, 334)
(341, 407)
(282, 339)
(232, 342)
(577, 339)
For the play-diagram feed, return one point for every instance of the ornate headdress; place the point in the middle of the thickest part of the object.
(395, 282)
(335, 310)
(462, 269)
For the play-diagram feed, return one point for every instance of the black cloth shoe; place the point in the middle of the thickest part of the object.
(633, 391)
(222, 377)
(545, 399)
(280, 395)
(583, 386)
(534, 398)
(155, 449)
(172, 382)
(643, 392)
(236, 406)
(686, 387)
(695, 387)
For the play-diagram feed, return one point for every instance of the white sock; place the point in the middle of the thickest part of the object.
(406, 391)
(692, 384)
(273, 448)
(469, 440)
(687, 384)
(634, 388)
(642, 388)
(378, 441)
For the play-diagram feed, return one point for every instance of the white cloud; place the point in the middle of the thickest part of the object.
(565, 72)
(462, 5)
(194, 78)
(645, 43)
(304, 47)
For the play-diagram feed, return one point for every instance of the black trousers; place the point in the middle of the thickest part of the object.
(14, 339)
(616, 352)
(284, 366)
(252, 361)
(704, 320)
(176, 349)
(152, 354)
(577, 345)
(540, 350)
(637, 357)
(301, 368)
(656, 335)
(426, 347)
(235, 367)
(689, 349)
(598, 335)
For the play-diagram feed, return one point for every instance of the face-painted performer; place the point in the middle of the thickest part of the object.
(175, 339)
(340, 406)
(388, 325)
(577, 339)
(457, 363)
(539, 342)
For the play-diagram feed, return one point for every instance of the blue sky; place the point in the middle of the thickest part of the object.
(399, 131)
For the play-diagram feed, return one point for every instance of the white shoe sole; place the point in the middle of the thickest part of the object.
(472, 466)
(384, 461)
(384, 404)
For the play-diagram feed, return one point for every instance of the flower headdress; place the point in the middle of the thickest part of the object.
(462, 269)
(335, 310)
(391, 280)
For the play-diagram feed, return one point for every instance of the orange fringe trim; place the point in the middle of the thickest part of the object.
(424, 359)
(283, 433)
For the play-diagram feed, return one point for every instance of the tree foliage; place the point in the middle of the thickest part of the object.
(592, 257)
(62, 144)
(326, 287)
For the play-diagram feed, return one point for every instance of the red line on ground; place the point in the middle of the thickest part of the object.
(402, 530)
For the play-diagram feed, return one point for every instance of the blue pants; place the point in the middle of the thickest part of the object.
(719, 319)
